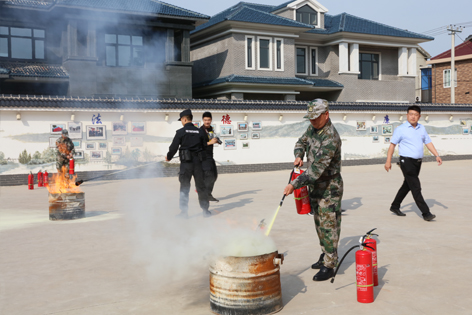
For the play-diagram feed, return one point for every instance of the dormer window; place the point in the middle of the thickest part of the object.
(307, 15)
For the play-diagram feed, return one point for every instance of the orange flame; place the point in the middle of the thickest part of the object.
(60, 183)
(62, 147)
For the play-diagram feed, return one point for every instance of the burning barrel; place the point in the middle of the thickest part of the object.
(246, 285)
(66, 206)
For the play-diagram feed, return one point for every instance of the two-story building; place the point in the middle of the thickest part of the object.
(442, 79)
(96, 48)
(296, 51)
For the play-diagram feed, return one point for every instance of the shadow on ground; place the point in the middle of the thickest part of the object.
(231, 206)
(89, 214)
(352, 204)
(412, 207)
(240, 194)
(292, 285)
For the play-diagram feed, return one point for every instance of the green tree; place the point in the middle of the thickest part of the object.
(37, 155)
(24, 157)
(135, 154)
(2, 156)
(108, 157)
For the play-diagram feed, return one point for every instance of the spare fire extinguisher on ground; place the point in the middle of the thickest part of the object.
(302, 200)
(40, 179)
(364, 271)
(71, 168)
(373, 243)
(30, 181)
(45, 178)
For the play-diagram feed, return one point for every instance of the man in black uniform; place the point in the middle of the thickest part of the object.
(192, 142)
(210, 172)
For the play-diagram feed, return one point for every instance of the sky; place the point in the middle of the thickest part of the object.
(414, 15)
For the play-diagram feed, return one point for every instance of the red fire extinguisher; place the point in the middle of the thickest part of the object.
(364, 272)
(40, 179)
(30, 181)
(302, 200)
(373, 243)
(45, 178)
(71, 167)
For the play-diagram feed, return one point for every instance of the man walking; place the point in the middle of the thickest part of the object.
(322, 145)
(192, 142)
(65, 152)
(210, 172)
(410, 138)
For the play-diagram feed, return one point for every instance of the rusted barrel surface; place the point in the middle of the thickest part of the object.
(66, 206)
(246, 285)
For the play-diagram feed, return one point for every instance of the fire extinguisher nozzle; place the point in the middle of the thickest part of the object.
(332, 280)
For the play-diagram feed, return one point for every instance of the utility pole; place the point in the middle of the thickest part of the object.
(453, 29)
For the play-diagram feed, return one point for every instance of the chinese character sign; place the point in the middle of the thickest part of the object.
(96, 119)
(226, 120)
(386, 119)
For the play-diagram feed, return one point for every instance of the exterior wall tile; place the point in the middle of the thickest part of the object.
(464, 79)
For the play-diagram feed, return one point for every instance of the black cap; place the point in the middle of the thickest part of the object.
(207, 114)
(186, 112)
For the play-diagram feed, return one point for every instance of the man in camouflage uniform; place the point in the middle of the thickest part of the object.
(322, 145)
(65, 151)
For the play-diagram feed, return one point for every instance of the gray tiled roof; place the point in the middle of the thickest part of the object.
(270, 80)
(24, 69)
(137, 6)
(345, 22)
(60, 102)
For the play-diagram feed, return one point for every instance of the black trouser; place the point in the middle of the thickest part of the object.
(210, 174)
(187, 170)
(411, 170)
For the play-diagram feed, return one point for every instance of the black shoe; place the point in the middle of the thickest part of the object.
(324, 274)
(398, 212)
(182, 215)
(319, 263)
(429, 217)
(206, 213)
(211, 198)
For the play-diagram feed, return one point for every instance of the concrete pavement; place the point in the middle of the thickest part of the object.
(129, 256)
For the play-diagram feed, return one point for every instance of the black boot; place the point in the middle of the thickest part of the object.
(211, 198)
(206, 213)
(319, 263)
(324, 274)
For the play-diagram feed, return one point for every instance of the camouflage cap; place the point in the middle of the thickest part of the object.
(316, 107)
(65, 132)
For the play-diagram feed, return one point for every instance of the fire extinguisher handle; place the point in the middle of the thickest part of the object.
(370, 232)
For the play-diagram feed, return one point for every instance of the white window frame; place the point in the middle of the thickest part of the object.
(253, 53)
(259, 53)
(318, 10)
(380, 61)
(307, 60)
(281, 54)
(316, 61)
(450, 78)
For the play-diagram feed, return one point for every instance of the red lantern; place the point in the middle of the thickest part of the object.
(40, 179)
(45, 178)
(302, 199)
(30, 181)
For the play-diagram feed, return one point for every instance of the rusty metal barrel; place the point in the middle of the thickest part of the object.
(66, 206)
(246, 285)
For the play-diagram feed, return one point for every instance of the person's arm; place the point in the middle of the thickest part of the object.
(388, 164)
(174, 146)
(432, 149)
(299, 150)
(212, 141)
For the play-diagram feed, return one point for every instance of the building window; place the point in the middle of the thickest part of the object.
(22, 43)
(279, 54)
(447, 78)
(307, 15)
(369, 66)
(178, 40)
(265, 56)
(250, 53)
(314, 61)
(301, 60)
(124, 50)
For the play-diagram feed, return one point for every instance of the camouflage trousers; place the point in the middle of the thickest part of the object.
(325, 199)
(60, 162)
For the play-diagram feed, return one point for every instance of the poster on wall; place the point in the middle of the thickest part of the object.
(245, 145)
(465, 131)
(136, 141)
(256, 125)
(79, 154)
(138, 127)
(52, 142)
(119, 128)
(387, 130)
(102, 145)
(230, 144)
(90, 146)
(256, 135)
(243, 126)
(96, 132)
(119, 141)
(75, 130)
(375, 139)
(96, 155)
(196, 124)
(243, 136)
(56, 129)
(77, 144)
(387, 140)
(226, 131)
(360, 125)
(116, 151)
(374, 129)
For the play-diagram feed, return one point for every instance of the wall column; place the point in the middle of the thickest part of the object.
(343, 57)
(354, 57)
(412, 61)
(402, 61)
(186, 46)
(170, 45)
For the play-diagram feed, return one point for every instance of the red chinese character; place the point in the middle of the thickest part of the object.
(226, 119)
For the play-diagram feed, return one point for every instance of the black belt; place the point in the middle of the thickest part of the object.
(412, 159)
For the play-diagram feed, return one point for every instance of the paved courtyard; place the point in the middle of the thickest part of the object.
(131, 256)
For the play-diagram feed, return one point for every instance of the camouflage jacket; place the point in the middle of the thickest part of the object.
(323, 149)
(64, 147)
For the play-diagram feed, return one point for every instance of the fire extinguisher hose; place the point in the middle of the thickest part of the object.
(342, 259)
